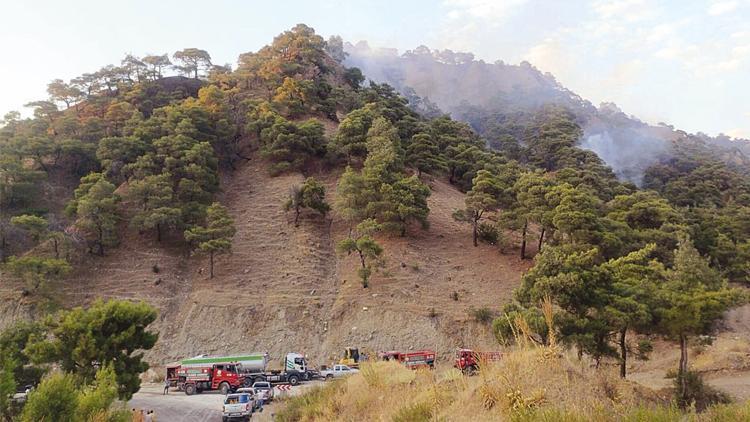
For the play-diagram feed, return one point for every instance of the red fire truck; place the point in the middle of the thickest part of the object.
(469, 361)
(218, 376)
(414, 360)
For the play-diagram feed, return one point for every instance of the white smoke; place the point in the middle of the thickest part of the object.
(628, 153)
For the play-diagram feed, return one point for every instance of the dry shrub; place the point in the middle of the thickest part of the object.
(417, 412)
(525, 385)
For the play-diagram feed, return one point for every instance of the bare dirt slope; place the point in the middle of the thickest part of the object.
(285, 289)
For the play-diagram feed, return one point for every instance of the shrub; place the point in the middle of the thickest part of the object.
(454, 296)
(155, 268)
(418, 412)
(644, 348)
(482, 315)
(697, 393)
(488, 233)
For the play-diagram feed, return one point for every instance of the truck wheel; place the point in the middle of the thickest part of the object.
(189, 389)
(329, 377)
(247, 382)
(294, 380)
(224, 419)
(224, 388)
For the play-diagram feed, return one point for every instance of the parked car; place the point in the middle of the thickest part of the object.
(21, 394)
(238, 406)
(263, 390)
(337, 371)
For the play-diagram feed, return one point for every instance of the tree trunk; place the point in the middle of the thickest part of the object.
(362, 259)
(623, 353)
(158, 233)
(211, 265)
(296, 216)
(682, 370)
(541, 240)
(523, 239)
(474, 225)
(101, 241)
(57, 251)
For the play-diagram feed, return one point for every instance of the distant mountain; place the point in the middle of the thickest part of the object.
(484, 94)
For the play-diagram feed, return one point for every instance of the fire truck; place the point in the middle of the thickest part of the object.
(224, 377)
(414, 359)
(469, 361)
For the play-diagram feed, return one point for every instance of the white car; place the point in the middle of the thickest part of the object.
(337, 371)
(263, 390)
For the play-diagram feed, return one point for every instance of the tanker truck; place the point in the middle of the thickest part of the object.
(211, 372)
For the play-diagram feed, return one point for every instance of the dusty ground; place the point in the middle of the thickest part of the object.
(206, 407)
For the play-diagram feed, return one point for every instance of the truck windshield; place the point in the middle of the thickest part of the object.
(242, 398)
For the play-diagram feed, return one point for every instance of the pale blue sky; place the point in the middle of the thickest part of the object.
(685, 62)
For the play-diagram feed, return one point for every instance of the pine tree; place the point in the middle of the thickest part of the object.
(362, 242)
(423, 154)
(216, 236)
(95, 204)
(483, 197)
(156, 199)
(693, 297)
(311, 194)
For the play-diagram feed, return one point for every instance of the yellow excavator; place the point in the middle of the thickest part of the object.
(352, 357)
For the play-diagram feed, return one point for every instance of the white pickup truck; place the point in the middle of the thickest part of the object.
(238, 406)
(337, 371)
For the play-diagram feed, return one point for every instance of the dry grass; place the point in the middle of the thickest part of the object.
(528, 384)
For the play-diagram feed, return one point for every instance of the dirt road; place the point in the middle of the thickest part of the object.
(206, 407)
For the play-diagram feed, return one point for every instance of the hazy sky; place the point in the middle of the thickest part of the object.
(684, 62)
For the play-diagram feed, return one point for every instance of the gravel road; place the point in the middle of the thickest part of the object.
(206, 407)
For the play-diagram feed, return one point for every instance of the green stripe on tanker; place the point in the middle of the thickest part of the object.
(220, 359)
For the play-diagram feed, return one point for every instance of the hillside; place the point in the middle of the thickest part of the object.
(495, 98)
(284, 288)
(415, 231)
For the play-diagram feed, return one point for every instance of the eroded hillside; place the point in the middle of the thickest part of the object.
(284, 288)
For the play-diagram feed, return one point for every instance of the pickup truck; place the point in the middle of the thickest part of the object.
(238, 406)
(263, 390)
(337, 371)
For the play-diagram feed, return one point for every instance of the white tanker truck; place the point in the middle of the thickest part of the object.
(253, 367)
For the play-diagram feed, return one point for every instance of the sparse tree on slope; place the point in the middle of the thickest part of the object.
(40, 230)
(691, 300)
(482, 198)
(361, 242)
(216, 236)
(311, 194)
(35, 271)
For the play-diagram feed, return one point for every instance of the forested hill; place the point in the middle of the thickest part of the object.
(497, 98)
(290, 202)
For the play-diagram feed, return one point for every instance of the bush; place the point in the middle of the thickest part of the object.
(644, 348)
(482, 315)
(418, 412)
(56, 399)
(697, 393)
(488, 233)
(454, 296)
(155, 268)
